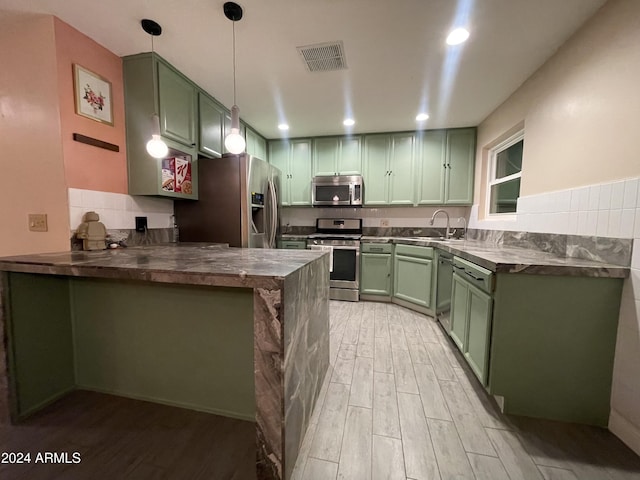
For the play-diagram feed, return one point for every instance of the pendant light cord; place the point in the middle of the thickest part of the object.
(153, 73)
(233, 23)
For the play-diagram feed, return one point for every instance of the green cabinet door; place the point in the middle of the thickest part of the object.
(177, 99)
(350, 157)
(430, 152)
(256, 144)
(337, 156)
(211, 116)
(401, 176)
(375, 274)
(412, 279)
(478, 332)
(279, 151)
(376, 169)
(325, 156)
(460, 166)
(459, 306)
(300, 173)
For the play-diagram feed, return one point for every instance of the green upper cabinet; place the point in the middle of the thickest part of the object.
(401, 176)
(337, 156)
(445, 160)
(177, 100)
(152, 86)
(389, 169)
(376, 169)
(431, 161)
(211, 115)
(256, 144)
(293, 158)
(460, 155)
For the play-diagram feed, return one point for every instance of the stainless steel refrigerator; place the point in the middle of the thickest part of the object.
(237, 203)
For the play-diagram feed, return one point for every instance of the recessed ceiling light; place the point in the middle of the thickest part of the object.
(421, 117)
(458, 36)
(283, 126)
(349, 122)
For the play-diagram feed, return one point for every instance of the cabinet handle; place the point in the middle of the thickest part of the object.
(376, 249)
(193, 144)
(474, 277)
(457, 267)
(444, 165)
(448, 165)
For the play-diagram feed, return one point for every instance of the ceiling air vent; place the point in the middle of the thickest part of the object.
(323, 57)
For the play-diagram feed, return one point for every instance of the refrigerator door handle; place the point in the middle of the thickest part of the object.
(274, 214)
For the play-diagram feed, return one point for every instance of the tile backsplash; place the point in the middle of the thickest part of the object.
(376, 217)
(602, 210)
(117, 210)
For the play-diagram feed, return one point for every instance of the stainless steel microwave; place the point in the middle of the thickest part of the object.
(337, 191)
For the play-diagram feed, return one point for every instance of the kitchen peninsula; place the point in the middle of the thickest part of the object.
(235, 332)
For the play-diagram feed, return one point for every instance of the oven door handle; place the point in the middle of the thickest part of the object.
(345, 247)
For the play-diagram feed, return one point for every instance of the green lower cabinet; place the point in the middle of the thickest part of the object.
(375, 274)
(292, 244)
(471, 314)
(459, 306)
(478, 341)
(412, 279)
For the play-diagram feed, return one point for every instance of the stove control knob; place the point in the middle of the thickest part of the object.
(315, 242)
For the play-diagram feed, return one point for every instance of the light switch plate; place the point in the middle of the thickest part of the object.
(38, 222)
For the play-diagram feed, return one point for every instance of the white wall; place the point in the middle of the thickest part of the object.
(581, 163)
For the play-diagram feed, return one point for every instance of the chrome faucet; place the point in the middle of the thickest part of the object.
(446, 215)
(464, 232)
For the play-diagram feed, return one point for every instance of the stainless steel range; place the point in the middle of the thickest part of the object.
(342, 237)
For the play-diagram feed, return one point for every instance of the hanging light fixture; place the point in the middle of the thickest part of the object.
(234, 142)
(156, 146)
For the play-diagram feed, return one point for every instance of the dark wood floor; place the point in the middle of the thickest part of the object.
(120, 438)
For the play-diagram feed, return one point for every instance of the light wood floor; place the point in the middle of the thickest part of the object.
(400, 403)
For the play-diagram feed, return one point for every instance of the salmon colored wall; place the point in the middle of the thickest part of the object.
(31, 162)
(88, 167)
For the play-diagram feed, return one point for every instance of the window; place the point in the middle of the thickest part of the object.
(505, 169)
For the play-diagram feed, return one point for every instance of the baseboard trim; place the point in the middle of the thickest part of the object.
(625, 430)
(171, 403)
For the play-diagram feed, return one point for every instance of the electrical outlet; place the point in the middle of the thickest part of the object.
(38, 222)
(384, 222)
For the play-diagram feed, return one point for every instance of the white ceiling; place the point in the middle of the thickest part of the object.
(398, 62)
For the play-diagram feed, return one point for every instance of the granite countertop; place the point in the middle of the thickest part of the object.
(185, 263)
(507, 259)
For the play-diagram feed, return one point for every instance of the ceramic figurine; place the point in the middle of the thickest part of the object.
(92, 232)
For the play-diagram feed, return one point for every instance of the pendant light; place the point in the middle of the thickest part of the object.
(234, 142)
(156, 146)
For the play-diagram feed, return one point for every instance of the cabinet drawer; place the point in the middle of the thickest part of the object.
(292, 244)
(376, 247)
(475, 274)
(414, 251)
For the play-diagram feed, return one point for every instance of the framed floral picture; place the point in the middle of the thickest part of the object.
(92, 95)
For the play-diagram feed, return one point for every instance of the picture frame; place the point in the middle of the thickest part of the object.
(92, 94)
